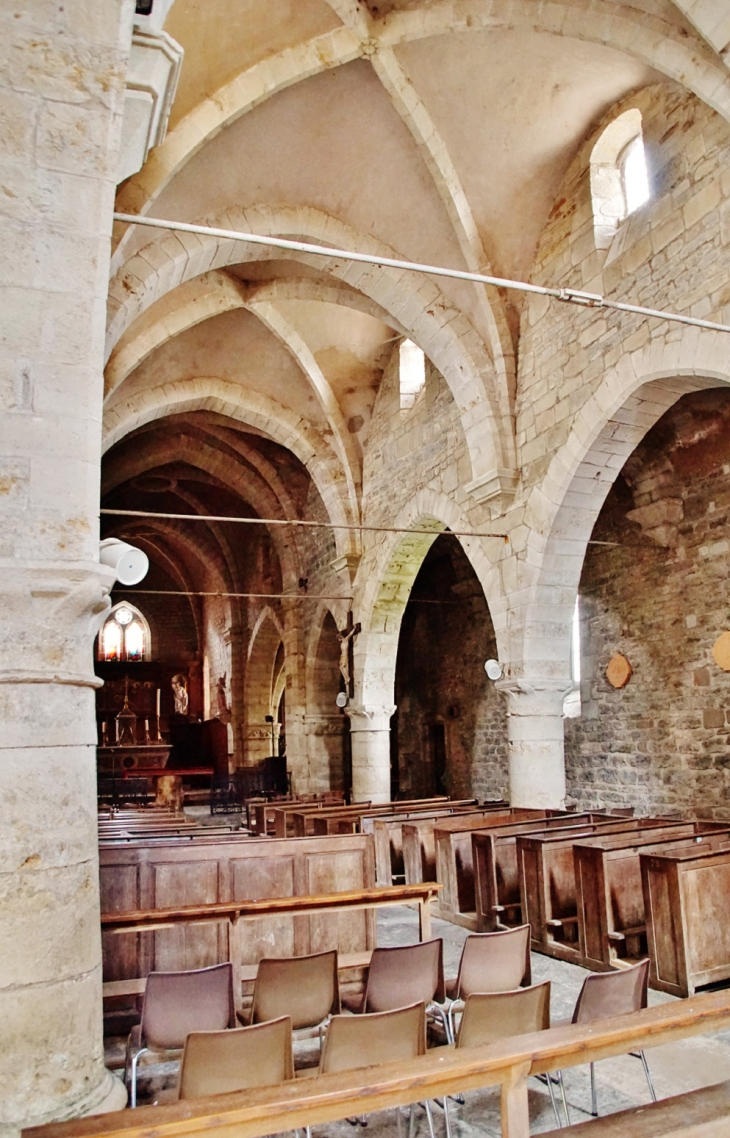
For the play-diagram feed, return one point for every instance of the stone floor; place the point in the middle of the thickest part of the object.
(621, 1082)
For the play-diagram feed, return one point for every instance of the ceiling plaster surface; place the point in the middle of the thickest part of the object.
(221, 38)
(512, 108)
(333, 142)
(234, 346)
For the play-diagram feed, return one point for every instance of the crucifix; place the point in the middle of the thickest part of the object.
(346, 636)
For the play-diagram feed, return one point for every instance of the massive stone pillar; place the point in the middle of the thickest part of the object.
(370, 740)
(535, 734)
(61, 88)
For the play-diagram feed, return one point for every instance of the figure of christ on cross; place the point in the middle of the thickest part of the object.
(345, 637)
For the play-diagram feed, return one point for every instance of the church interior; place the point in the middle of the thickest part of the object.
(395, 335)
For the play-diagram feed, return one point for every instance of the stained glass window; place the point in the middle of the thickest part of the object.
(125, 635)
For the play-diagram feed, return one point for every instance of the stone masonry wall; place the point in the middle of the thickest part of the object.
(663, 741)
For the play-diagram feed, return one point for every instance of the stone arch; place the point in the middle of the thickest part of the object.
(215, 463)
(208, 393)
(325, 722)
(382, 588)
(562, 511)
(259, 684)
(446, 335)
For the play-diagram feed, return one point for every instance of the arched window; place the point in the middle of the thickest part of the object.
(412, 373)
(125, 635)
(619, 177)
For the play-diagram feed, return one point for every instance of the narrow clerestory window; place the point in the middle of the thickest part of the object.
(619, 176)
(412, 373)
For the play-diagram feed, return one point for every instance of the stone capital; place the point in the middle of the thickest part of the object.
(369, 716)
(64, 605)
(534, 697)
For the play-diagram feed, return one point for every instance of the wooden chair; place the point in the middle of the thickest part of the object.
(176, 1003)
(606, 994)
(218, 1062)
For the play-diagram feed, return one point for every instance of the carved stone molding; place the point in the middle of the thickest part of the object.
(496, 489)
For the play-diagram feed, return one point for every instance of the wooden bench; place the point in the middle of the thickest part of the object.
(387, 831)
(235, 913)
(610, 900)
(178, 873)
(346, 819)
(687, 926)
(454, 858)
(507, 1064)
(548, 885)
(496, 876)
(496, 871)
(419, 843)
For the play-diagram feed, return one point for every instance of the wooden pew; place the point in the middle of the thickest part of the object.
(686, 904)
(496, 876)
(547, 881)
(263, 812)
(454, 858)
(387, 831)
(610, 901)
(282, 825)
(346, 819)
(419, 844)
(179, 873)
(444, 1071)
(236, 913)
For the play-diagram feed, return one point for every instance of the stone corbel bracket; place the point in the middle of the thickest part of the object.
(155, 61)
(496, 489)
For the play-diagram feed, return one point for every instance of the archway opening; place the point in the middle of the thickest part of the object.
(655, 593)
(449, 730)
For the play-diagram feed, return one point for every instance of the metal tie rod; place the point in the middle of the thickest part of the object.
(569, 295)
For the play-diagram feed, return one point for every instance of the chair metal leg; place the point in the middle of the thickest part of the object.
(133, 1079)
(652, 1092)
(561, 1084)
(554, 1104)
(429, 1116)
(436, 1010)
(447, 1120)
(411, 1120)
(594, 1096)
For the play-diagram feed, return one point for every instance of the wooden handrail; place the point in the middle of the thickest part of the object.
(138, 920)
(146, 920)
(254, 1113)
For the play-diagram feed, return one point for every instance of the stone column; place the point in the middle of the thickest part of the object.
(370, 737)
(61, 90)
(535, 734)
(324, 747)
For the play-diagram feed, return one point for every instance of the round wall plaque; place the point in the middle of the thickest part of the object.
(721, 651)
(618, 672)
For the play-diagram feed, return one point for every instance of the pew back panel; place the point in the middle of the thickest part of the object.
(174, 875)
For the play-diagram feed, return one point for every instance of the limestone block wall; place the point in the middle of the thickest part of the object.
(663, 741)
(674, 252)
